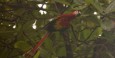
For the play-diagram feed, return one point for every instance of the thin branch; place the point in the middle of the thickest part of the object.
(91, 33)
(85, 41)
(74, 33)
(83, 29)
(57, 8)
(34, 16)
(69, 53)
(32, 43)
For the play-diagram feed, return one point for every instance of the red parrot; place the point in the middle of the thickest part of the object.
(60, 23)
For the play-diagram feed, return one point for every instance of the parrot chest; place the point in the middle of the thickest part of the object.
(62, 24)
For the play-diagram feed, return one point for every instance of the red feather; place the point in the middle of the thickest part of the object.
(62, 22)
(65, 19)
(30, 53)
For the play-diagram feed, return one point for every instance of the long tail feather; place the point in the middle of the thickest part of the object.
(32, 52)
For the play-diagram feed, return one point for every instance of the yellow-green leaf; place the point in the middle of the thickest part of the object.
(22, 45)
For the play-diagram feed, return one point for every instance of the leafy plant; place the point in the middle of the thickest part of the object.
(92, 35)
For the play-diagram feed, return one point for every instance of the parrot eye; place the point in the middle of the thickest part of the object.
(79, 13)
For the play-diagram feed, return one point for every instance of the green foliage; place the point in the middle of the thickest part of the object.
(93, 35)
(48, 44)
(37, 54)
(110, 8)
(22, 45)
(61, 51)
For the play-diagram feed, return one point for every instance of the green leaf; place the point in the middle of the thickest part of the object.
(36, 13)
(4, 53)
(88, 1)
(90, 24)
(95, 4)
(61, 51)
(22, 45)
(98, 32)
(44, 53)
(48, 44)
(62, 2)
(37, 54)
(86, 33)
(20, 12)
(110, 8)
(107, 24)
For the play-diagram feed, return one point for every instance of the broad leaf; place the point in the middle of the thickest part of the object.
(22, 45)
